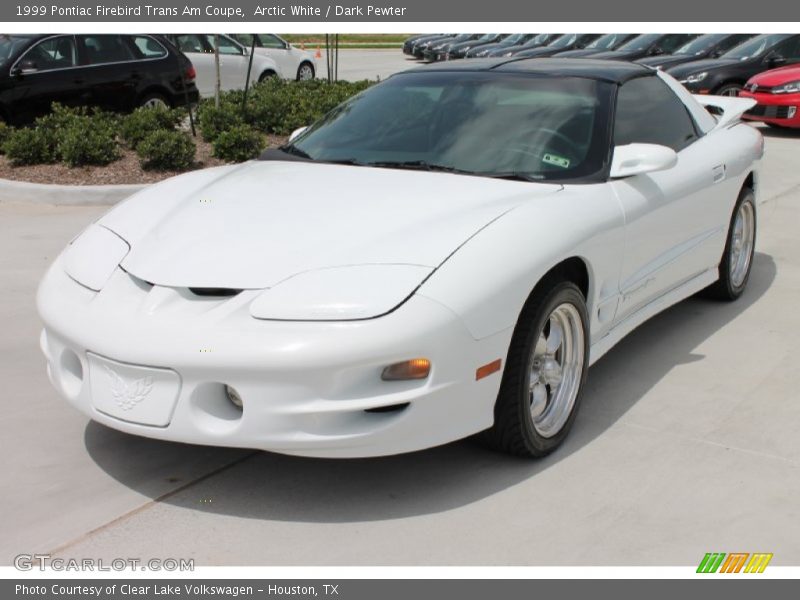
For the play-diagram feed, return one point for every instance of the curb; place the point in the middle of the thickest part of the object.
(69, 195)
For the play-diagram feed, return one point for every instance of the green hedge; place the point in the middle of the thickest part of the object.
(166, 150)
(238, 144)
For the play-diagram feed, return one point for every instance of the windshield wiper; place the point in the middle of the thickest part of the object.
(419, 165)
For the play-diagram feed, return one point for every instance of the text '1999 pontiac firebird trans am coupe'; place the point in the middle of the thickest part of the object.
(443, 255)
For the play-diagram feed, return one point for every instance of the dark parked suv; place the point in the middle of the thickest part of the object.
(113, 72)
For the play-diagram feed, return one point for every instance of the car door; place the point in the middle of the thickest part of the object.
(47, 72)
(232, 62)
(281, 52)
(201, 53)
(672, 220)
(109, 68)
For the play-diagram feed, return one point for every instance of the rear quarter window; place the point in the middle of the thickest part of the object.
(148, 47)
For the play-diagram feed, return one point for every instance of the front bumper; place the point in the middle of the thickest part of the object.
(779, 109)
(154, 362)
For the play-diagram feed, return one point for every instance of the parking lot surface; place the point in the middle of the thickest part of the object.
(686, 443)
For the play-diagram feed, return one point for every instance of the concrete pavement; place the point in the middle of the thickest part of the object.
(686, 443)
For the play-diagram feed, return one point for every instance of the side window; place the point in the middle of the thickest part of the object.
(271, 41)
(226, 45)
(148, 47)
(190, 43)
(55, 53)
(789, 49)
(102, 49)
(648, 112)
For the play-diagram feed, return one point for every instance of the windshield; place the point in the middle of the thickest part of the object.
(564, 41)
(701, 44)
(10, 44)
(514, 38)
(639, 43)
(488, 37)
(606, 41)
(755, 47)
(479, 123)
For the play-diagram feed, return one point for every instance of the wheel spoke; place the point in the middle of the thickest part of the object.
(541, 346)
(538, 399)
(555, 337)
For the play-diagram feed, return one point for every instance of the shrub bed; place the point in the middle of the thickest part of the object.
(166, 150)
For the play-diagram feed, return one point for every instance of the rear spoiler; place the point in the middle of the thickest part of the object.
(728, 110)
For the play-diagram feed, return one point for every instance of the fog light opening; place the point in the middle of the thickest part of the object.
(71, 373)
(415, 368)
(234, 397)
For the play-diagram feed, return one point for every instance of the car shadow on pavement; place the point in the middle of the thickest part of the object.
(261, 485)
(782, 132)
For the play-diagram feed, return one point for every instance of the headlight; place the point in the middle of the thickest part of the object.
(696, 78)
(340, 293)
(793, 87)
(94, 255)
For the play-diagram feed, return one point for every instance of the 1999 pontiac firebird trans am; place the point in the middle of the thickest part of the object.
(442, 255)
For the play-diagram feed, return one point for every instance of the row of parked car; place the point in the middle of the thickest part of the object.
(122, 72)
(765, 67)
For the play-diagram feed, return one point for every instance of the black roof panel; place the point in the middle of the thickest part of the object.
(616, 71)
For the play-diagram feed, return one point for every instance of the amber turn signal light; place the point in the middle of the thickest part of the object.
(416, 368)
(488, 369)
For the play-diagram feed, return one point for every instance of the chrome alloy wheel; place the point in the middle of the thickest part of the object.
(154, 102)
(305, 72)
(742, 239)
(556, 370)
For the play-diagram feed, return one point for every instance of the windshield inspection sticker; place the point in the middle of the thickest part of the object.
(559, 161)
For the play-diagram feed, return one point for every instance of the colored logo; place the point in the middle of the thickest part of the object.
(735, 562)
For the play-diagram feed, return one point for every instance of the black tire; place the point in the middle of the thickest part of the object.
(725, 90)
(513, 431)
(303, 68)
(266, 75)
(154, 99)
(725, 288)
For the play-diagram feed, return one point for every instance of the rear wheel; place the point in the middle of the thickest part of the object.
(545, 372)
(266, 75)
(154, 100)
(737, 260)
(305, 71)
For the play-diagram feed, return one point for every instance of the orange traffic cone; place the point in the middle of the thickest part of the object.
(319, 52)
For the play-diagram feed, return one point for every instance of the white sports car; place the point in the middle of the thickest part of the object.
(442, 255)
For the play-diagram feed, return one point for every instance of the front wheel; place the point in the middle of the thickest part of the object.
(545, 372)
(729, 89)
(305, 71)
(737, 259)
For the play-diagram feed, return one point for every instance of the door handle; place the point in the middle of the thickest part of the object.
(719, 173)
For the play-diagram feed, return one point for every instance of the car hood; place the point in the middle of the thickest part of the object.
(777, 76)
(696, 66)
(578, 53)
(615, 54)
(254, 225)
(665, 61)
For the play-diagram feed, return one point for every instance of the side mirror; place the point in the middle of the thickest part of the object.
(776, 60)
(635, 159)
(296, 133)
(657, 51)
(27, 66)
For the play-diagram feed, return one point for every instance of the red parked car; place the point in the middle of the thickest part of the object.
(778, 95)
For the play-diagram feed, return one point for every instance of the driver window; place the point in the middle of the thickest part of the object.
(789, 49)
(648, 112)
(55, 53)
(226, 45)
